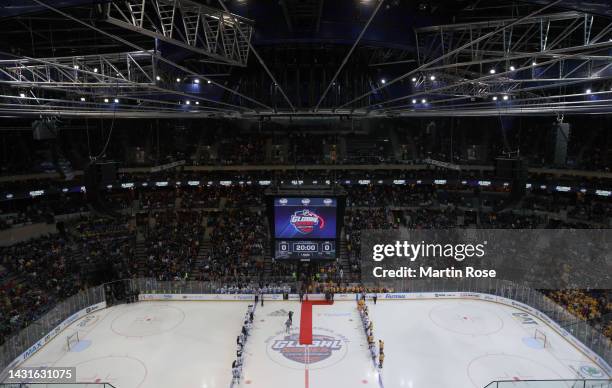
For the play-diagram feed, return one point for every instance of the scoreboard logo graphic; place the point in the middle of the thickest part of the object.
(299, 218)
(305, 221)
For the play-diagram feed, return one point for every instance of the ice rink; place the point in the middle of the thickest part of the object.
(152, 344)
(470, 343)
(428, 343)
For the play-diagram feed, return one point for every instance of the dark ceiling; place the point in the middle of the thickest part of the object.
(307, 65)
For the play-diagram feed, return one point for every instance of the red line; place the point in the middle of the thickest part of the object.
(306, 320)
(306, 324)
(306, 332)
(306, 375)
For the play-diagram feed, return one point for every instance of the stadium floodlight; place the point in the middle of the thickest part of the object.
(433, 78)
(106, 100)
(22, 95)
(116, 100)
(494, 98)
(76, 67)
(534, 63)
(188, 102)
(492, 71)
(178, 80)
(158, 78)
(383, 81)
(512, 68)
(197, 103)
(82, 99)
(414, 79)
(588, 91)
(414, 101)
(95, 69)
(197, 81)
(505, 98)
(209, 81)
(424, 101)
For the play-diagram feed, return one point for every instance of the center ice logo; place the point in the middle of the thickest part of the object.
(305, 221)
(322, 348)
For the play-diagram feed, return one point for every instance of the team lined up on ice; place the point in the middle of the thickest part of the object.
(252, 289)
(240, 343)
(368, 327)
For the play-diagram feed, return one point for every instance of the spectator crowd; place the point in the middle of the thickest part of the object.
(222, 235)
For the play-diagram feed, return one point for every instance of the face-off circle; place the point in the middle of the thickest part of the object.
(466, 318)
(147, 320)
(328, 348)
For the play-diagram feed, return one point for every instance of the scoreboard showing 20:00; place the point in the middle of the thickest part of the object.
(305, 228)
(288, 249)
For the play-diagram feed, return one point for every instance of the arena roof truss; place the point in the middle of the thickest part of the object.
(536, 64)
(217, 34)
(545, 60)
(94, 81)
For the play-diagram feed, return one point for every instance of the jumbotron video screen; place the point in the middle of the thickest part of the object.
(305, 228)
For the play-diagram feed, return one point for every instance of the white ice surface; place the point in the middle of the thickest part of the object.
(428, 344)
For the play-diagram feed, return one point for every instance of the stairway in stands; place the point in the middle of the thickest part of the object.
(343, 256)
(267, 260)
(140, 254)
(267, 256)
(203, 251)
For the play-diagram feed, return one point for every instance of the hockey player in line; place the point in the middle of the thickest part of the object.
(366, 322)
(372, 351)
(235, 375)
(291, 316)
(288, 326)
(360, 305)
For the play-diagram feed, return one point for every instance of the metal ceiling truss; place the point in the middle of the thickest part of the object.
(107, 71)
(182, 70)
(534, 37)
(517, 61)
(220, 35)
(539, 63)
(86, 81)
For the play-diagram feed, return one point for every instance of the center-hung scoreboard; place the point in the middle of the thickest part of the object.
(306, 227)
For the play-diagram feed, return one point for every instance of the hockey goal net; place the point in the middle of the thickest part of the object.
(72, 340)
(540, 337)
